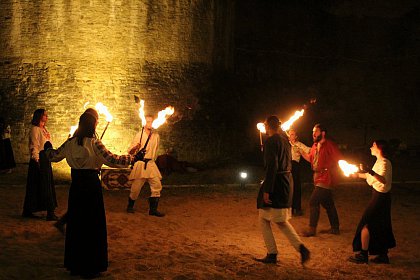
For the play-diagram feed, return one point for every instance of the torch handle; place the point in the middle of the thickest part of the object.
(106, 127)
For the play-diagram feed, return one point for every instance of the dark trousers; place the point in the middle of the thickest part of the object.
(324, 197)
(297, 187)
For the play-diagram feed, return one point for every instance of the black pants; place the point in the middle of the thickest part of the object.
(324, 197)
(297, 187)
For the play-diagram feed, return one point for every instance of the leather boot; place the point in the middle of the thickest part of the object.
(360, 258)
(153, 205)
(305, 255)
(310, 232)
(269, 258)
(130, 205)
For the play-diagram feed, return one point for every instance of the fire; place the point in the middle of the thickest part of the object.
(261, 127)
(102, 109)
(347, 168)
(141, 113)
(286, 126)
(162, 116)
(73, 130)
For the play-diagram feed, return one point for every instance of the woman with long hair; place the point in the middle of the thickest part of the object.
(86, 248)
(40, 189)
(374, 234)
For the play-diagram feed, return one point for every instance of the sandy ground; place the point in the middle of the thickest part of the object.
(208, 233)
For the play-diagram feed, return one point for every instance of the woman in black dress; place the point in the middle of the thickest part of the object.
(40, 189)
(86, 247)
(374, 234)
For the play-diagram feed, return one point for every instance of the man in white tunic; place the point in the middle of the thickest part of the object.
(146, 170)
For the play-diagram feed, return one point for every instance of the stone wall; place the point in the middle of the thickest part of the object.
(58, 55)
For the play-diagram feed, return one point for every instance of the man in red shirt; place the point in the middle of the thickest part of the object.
(324, 157)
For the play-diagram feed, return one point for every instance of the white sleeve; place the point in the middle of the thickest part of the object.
(34, 143)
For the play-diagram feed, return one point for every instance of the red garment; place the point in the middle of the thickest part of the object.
(326, 173)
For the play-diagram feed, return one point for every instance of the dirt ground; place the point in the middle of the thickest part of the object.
(208, 233)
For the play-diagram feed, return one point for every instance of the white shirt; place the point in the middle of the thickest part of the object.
(37, 139)
(384, 168)
(151, 171)
(297, 149)
(92, 155)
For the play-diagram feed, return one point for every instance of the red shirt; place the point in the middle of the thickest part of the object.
(326, 171)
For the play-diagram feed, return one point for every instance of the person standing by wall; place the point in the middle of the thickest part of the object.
(40, 190)
(374, 233)
(146, 170)
(298, 148)
(275, 195)
(7, 159)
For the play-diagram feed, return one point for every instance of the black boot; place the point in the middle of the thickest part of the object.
(269, 258)
(153, 205)
(305, 255)
(360, 258)
(51, 216)
(130, 206)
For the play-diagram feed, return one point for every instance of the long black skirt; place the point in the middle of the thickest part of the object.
(377, 218)
(40, 190)
(86, 247)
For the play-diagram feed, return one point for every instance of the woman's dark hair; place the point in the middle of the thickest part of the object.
(384, 147)
(36, 118)
(87, 125)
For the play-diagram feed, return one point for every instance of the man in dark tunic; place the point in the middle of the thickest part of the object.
(275, 195)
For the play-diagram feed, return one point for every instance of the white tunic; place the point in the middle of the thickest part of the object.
(92, 155)
(151, 170)
(383, 168)
(297, 149)
(37, 139)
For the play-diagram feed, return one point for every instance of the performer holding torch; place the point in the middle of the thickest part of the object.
(275, 195)
(298, 148)
(146, 142)
(374, 233)
(86, 244)
(324, 157)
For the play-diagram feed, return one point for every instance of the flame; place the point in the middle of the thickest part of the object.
(162, 116)
(73, 129)
(347, 168)
(141, 113)
(261, 127)
(286, 126)
(102, 109)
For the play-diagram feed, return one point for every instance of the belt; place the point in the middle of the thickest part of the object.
(283, 172)
(146, 160)
(322, 170)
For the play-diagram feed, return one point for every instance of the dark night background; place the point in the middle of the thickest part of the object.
(360, 59)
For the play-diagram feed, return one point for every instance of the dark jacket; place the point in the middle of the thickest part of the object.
(278, 180)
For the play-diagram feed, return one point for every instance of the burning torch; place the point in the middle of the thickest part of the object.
(102, 109)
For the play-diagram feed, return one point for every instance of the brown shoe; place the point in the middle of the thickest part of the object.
(310, 232)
